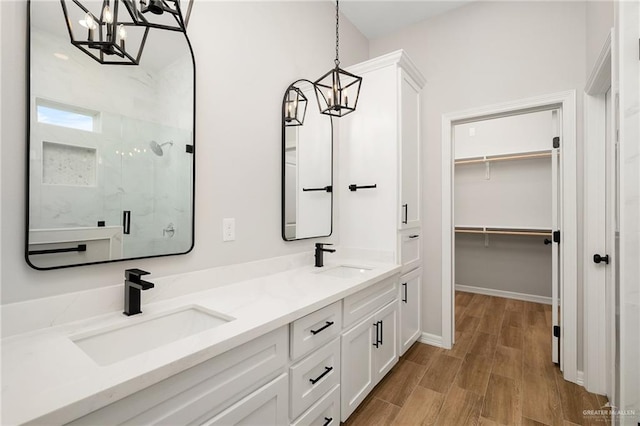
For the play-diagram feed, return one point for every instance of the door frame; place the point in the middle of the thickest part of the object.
(597, 325)
(569, 247)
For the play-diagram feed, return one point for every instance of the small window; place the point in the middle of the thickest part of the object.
(67, 116)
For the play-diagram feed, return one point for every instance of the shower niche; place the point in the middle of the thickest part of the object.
(110, 149)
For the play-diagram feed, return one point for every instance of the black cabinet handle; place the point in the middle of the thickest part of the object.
(317, 379)
(381, 328)
(324, 327)
(404, 299)
(79, 247)
(126, 222)
(327, 421)
(597, 258)
(327, 188)
(414, 236)
(547, 241)
(377, 326)
(406, 213)
(354, 187)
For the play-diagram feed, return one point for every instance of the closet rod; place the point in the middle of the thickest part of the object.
(496, 232)
(505, 158)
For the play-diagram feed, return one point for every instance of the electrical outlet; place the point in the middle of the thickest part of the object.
(228, 229)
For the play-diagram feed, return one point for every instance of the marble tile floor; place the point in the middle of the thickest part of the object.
(499, 372)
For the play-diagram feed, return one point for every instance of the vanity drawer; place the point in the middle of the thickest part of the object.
(367, 301)
(202, 391)
(313, 377)
(410, 249)
(325, 412)
(315, 329)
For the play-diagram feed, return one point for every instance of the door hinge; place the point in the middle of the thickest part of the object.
(556, 331)
(556, 237)
(556, 142)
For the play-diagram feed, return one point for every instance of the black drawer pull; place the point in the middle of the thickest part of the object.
(317, 379)
(377, 326)
(327, 421)
(327, 325)
(381, 328)
(413, 236)
(406, 213)
(404, 299)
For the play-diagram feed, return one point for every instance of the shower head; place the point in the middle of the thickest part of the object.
(157, 148)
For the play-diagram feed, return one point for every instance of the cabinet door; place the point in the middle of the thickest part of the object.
(410, 160)
(386, 354)
(410, 304)
(266, 406)
(357, 369)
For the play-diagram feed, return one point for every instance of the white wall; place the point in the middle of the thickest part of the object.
(247, 53)
(481, 54)
(599, 24)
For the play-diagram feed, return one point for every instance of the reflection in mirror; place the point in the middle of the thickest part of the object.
(110, 156)
(307, 166)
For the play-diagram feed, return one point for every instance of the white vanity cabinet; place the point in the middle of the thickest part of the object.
(369, 342)
(410, 300)
(380, 145)
(315, 371)
(248, 382)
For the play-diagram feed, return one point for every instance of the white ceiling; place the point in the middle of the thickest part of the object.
(377, 18)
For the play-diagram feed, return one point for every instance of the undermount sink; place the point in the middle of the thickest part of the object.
(120, 342)
(345, 271)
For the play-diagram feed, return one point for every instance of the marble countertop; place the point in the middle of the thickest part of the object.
(46, 378)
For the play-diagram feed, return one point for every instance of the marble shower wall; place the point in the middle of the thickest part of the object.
(135, 106)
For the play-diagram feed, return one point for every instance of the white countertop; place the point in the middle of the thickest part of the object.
(46, 378)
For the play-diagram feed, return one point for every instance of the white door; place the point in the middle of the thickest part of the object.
(556, 261)
(410, 285)
(357, 369)
(611, 231)
(386, 352)
(410, 152)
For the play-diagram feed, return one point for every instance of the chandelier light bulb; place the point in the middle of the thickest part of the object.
(107, 15)
(122, 32)
(89, 22)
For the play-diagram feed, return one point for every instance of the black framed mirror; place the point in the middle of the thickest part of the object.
(307, 166)
(111, 150)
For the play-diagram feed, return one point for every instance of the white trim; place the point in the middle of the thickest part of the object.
(580, 378)
(600, 78)
(568, 223)
(503, 293)
(431, 339)
(398, 57)
(595, 342)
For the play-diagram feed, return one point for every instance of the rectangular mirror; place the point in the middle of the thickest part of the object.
(307, 165)
(110, 147)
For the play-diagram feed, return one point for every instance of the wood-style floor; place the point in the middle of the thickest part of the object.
(498, 372)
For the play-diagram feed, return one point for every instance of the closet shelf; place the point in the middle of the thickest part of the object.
(508, 157)
(503, 231)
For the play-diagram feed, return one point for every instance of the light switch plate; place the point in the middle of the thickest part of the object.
(228, 229)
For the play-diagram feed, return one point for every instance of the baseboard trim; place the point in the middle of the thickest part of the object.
(580, 378)
(431, 339)
(506, 294)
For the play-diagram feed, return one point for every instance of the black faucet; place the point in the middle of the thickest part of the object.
(132, 286)
(320, 253)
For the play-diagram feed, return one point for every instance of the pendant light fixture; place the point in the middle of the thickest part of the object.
(294, 106)
(115, 31)
(110, 35)
(337, 91)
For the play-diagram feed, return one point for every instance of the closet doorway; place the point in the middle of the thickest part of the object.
(506, 210)
(507, 189)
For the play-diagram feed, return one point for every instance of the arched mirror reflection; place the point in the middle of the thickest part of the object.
(307, 166)
(110, 147)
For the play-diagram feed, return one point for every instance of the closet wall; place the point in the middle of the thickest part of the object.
(503, 204)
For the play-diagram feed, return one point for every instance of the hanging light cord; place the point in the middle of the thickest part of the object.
(337, 61)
